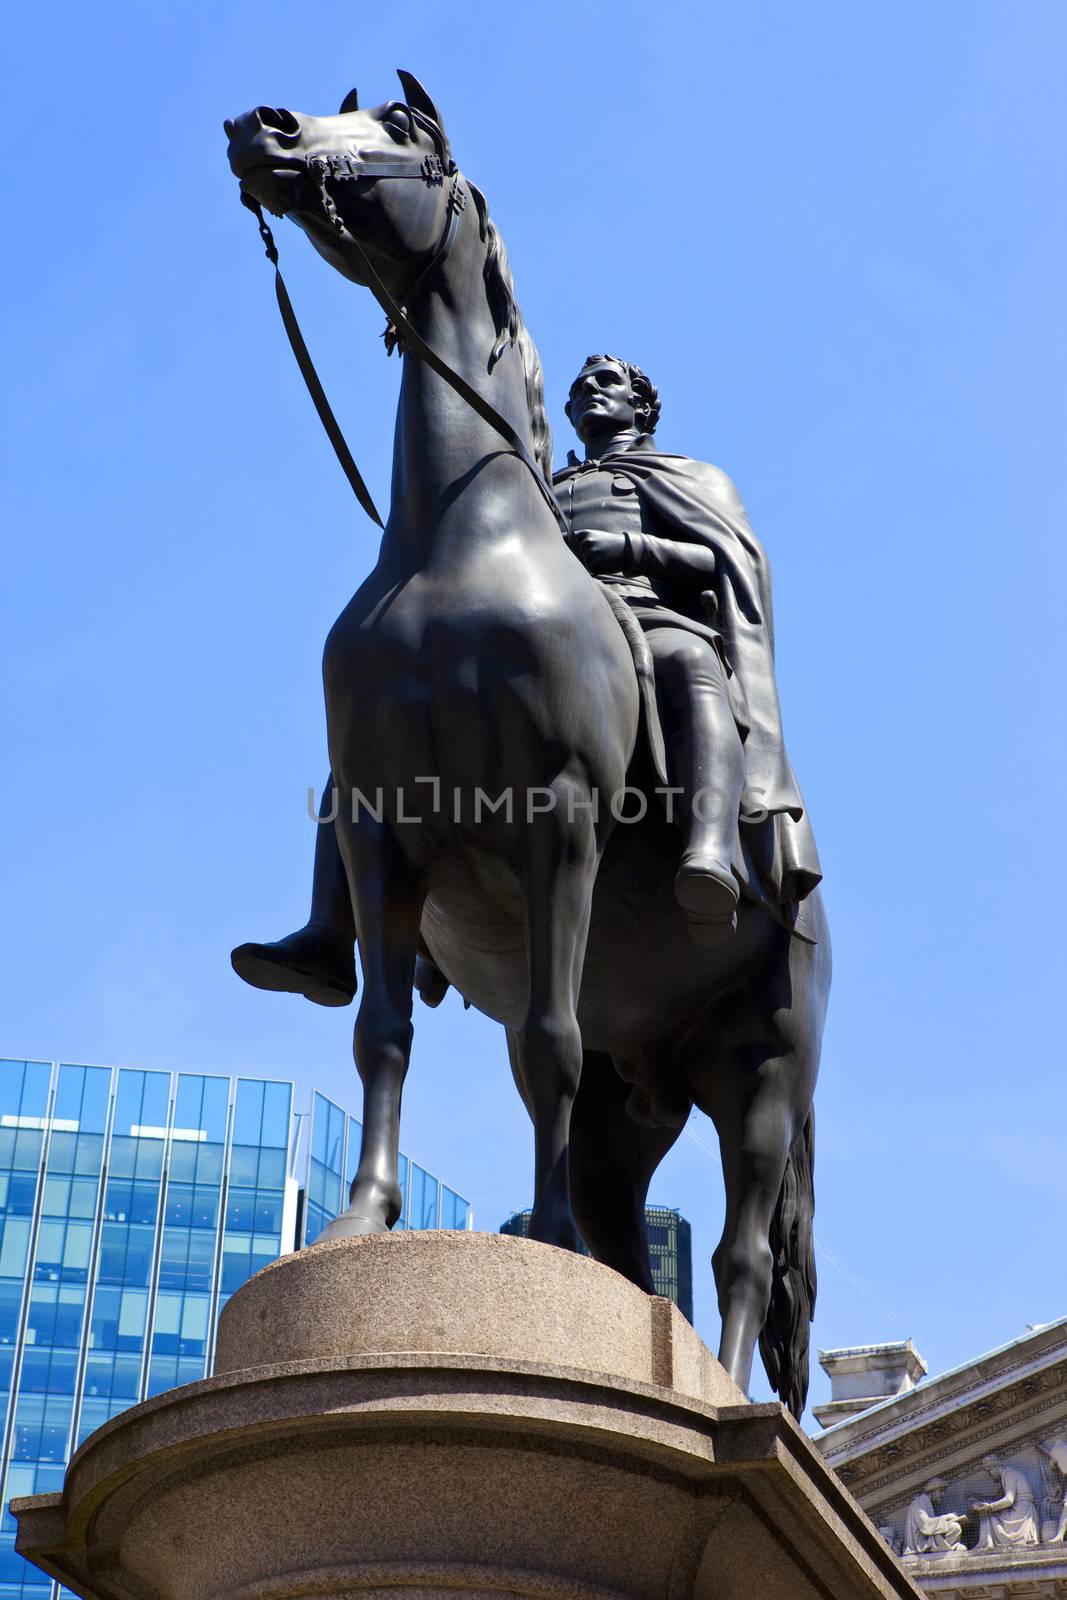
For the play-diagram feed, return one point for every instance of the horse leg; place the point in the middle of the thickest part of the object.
(388, 902)
(559, 870)
(761, 1107)
(612, 1162)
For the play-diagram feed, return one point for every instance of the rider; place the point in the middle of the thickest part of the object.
(670, 537)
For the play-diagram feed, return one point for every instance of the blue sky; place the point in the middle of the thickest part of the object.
(834, 236)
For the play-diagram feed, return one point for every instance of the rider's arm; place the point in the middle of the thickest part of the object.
(670, 558)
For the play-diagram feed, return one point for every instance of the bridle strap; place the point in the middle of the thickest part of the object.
(416, 344)
(437, 260)
(308, 373)
(400, 328)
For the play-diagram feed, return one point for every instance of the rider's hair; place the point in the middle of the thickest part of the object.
(645, 392)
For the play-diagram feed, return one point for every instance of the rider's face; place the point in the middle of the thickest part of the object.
(601, 401)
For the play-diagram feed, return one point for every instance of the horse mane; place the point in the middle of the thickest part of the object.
(511, 329)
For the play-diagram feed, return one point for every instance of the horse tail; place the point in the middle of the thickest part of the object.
(785, 1339)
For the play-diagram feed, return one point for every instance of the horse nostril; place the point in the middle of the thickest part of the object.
(227, 128)
(280, 120)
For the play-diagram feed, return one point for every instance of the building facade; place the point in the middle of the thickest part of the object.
(670, 1248)
(133, 1204)
(964, 1475)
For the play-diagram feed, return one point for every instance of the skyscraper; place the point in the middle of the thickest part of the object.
(133, 1204)
(670, 1248)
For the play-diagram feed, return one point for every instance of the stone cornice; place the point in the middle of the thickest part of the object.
(993, 1575)
(958, 1402)
(904, 1462)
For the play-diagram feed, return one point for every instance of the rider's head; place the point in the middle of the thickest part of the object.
(609, 395)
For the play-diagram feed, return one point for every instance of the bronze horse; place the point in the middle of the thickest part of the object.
(481, 658)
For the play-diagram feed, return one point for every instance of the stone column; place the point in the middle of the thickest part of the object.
(458, 1415)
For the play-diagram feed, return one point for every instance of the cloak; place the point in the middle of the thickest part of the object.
(692, 501)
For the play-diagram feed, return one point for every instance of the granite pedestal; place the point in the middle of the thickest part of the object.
(456, 1415)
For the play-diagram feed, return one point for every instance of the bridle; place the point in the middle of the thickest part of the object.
(399, 328)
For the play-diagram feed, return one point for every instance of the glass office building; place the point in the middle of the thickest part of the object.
(670, 1249)
(132, 1205)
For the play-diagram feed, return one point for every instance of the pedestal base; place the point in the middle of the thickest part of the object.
(460, 1415)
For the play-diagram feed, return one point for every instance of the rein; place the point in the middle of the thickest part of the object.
(399, 328)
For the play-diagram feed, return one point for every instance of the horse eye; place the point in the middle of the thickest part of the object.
(398, 121)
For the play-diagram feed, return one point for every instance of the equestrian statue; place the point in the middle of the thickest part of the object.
(558, 780)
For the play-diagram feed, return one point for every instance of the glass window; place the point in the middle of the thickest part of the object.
(133, 1314)
(14, 1247)
(271, 1174)
(21, 1193)
(205, 1207)
(240, 1210)
(236, 1265)
(49, 1248)
(141, 1103)
(422, 1202)
(77, 1248)
(10, 1304)
(55, 1200)
(149, 1161)
(327, 1132)
(24, 1088)
(26, 1154)
(144, 1203)
(200, 1107)
(277, 1114)
(244, 1165)
(168, 1313)
(455, 1211)
(82, 1097)
(83, 1192)
(355, 1142)
(194, 1318)
(248, 1112)
(88, 1153)
(61, 1151)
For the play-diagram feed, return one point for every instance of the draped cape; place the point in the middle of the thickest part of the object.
(693, 501)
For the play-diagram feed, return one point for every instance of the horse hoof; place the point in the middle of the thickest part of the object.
(351, 1225)
(559, 1231)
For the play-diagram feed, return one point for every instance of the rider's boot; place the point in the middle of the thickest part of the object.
(315, 961)
(707, 761)
(318, 960)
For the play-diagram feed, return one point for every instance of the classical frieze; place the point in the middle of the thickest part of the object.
(966, 1478)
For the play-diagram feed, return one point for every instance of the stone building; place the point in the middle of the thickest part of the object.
(965, 1475)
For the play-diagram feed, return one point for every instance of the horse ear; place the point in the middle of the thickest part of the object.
(350, 102)
(417, 98)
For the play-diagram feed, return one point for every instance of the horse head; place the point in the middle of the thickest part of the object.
(331, 176)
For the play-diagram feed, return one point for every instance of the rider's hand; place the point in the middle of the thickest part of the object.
(601, 552)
